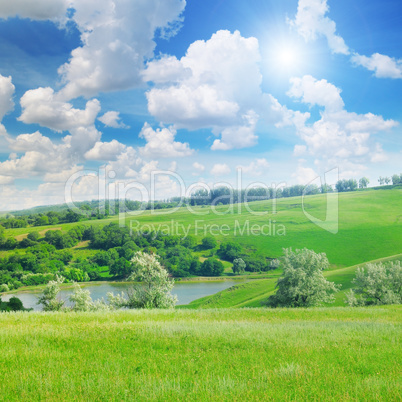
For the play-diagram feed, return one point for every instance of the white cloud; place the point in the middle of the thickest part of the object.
(216, 85)
(44, 107)
(166, 70)
(299, 150)
(161, 144)
(316, 92)
(198, 166)
(36, 10)
(220, 169)
(117, 37)
(338, 138)
(383, 66)
(304, 175)
(112, 119)
(238, 136)
(311, 21)
(32, 142)
(255, 168)
(105, 151)
(63, 176)
(6, 96)
(32, 163)
(6, 180)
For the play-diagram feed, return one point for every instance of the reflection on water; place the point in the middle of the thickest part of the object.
(186, 292)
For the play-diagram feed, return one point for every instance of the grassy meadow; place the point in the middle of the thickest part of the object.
(236, 354)
(370, 225)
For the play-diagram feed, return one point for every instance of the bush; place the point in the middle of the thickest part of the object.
(15, 304)
(377, 284)
(209, 242)
(4, 288)
(212, 267)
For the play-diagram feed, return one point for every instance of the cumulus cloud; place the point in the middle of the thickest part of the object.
(105, 151)
(117, 39)
(6, 96)
(161, 144)
(6, 180)
(312, 21)
(383, 66)
(36, 10)
(199, 167)
(112, 119)
(45, 107)
(299, 150)
(316, 92)
(256, 168)
(32, 142)
(220, 169)
(304, 175)
(216, 85)
(32, 163)
(339, 137)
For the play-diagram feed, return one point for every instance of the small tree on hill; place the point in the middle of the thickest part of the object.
(209, 242)
(239, 266)
(377, 284)
(363, 182)
(302, 283)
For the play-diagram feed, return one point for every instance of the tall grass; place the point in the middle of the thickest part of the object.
(237, 354)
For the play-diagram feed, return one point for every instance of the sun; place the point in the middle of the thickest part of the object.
(287, 57)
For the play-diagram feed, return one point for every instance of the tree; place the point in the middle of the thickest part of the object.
(302, 283)
(396, 179)
(15, 304)
(377, 284)
(34, 236)
(154, 290)
(212, 267)
(189, 241)
(387, 180)
(239, 266)
(363, 182)
(209, 242)
(49, 299)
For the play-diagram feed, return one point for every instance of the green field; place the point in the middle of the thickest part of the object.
(238, 354)
(370, 225)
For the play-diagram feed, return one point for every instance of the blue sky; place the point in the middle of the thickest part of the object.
(283, 90)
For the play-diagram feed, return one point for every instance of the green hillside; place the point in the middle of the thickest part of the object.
(370, 225)
(252, 293)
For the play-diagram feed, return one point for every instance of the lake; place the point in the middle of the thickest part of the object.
(185, 292)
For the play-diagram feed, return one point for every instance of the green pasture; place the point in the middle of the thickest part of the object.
(335, 354)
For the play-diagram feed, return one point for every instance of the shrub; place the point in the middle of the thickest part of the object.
(377, 284)
(302, 283)
(209, 242)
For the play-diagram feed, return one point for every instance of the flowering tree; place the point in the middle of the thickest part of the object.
(49, 299)
(154, 289)
(302, 283)
(238, 266)
(82, 300)
(377, 284)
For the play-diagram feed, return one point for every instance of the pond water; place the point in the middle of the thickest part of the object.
(185, 292)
